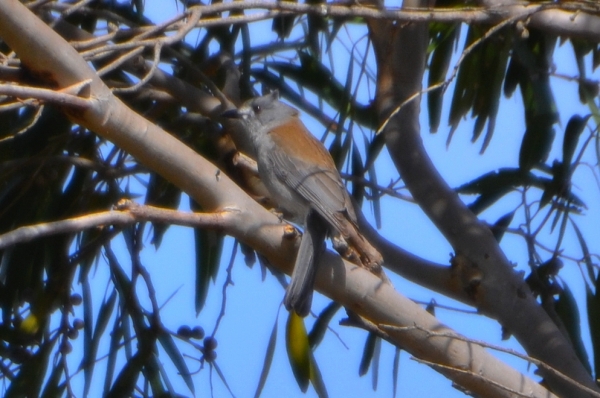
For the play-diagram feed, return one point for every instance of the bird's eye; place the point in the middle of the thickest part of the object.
(256, 109)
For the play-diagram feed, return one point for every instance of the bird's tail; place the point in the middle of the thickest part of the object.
(299, 293)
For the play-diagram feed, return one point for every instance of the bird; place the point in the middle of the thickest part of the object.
(306, 186)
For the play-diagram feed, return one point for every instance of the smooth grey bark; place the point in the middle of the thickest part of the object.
(486, 274)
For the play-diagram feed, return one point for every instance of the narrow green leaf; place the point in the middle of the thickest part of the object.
(282, 25)
(28, 382)
(505, 177)
(316, 24)
(581, 48)
(321, 324)
(376, 357)
(563, 225)
(593, 314)
(88, 334)
(367, 356)
(444, 42)
(585, 251)
(165, 377)
(161, 193)
(535, 55)
(358, 171)
(395, 371)
(486, 200)
(588, 90)
(208, 249)
(430, 307)
(537, 142)
(89, 358)
(573, 131)
(125, 330)
(597, 146)
(479, 82)
(316, 378)
(52, 388)
(568, 311)
(511, 80)
(376, 198)
(595, 57)
(268, 359)
(557, 185)
(166, 340)
(494, 185)
(209, 246)
(104, 314)
(487, 101)
(339, 147)
(374, 150)
(221, 376)
(127, 378)
(115, 339)
(154, 376)
(298, 350)
(499, 227)
(466, 80)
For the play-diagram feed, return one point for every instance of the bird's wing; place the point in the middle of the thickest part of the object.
(314, 175)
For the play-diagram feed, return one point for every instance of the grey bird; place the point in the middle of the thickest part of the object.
(301, 176)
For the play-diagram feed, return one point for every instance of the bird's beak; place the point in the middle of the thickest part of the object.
(232, 114)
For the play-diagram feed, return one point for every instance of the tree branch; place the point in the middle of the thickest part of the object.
(485, 274)
(125, 213)
(497, 348)
(571, 19)
(62, 97)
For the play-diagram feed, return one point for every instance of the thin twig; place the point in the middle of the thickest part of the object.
(484, 344)
(228, 281)
(119, 61)
(487, 380)
(44, 94)
(32, 121)
(72, 8)
(126, 213)
(147, 77)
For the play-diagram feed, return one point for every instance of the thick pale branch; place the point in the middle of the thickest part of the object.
(368, 296)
